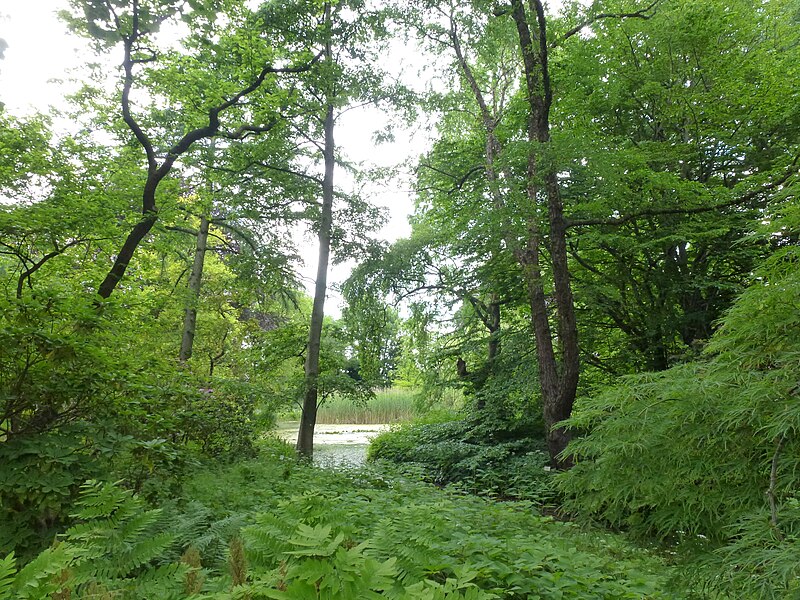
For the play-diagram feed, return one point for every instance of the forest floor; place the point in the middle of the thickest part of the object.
(301, 519)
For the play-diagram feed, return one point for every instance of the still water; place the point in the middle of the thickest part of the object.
(335, 445)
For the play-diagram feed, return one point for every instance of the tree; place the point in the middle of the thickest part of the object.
(652, 100)
(718, 436)
(246, 70)
(343, 77)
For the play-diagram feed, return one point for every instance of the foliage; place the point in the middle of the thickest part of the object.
(671, 139)
(456, 452)
(430, 536)
(77, 402)
(308, 533)
(110, 548)
(716, 437)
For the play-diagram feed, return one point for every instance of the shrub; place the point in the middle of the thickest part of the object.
(452, 453)
(709, 449)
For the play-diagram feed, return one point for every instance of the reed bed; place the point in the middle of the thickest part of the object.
(389, 406)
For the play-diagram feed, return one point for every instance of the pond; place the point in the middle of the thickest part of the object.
(341, 445)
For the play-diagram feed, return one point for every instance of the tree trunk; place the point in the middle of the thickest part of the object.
(140, 230)
(195, 281)
(305, 436)
(308, 419)
(558, 368)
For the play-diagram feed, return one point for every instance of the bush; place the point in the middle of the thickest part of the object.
(709, 450)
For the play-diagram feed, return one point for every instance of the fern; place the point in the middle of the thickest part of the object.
(37, 580)
(198, 526)
(7, 570)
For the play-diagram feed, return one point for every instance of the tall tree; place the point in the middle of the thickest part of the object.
(345, 76)
(247, 70)
(308, 419)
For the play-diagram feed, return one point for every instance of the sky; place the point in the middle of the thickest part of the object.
(35, 74)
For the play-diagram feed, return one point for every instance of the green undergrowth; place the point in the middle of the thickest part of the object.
(458, 453)
(274, 528)
(708, 452)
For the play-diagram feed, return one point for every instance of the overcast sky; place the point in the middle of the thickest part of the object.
(35, 74)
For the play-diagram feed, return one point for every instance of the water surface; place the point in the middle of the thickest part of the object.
(343, 445)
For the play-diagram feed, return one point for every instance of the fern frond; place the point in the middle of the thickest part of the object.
(36, 579)
(8, 567)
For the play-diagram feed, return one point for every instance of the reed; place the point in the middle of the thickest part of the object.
(392, 405)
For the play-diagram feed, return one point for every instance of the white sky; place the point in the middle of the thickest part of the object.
(35, 74)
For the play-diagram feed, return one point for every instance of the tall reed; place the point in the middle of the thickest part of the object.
(389, 406)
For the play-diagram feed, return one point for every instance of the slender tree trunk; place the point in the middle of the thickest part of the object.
(493, 319)
(308, 419)
(195, 282)
(558, 371)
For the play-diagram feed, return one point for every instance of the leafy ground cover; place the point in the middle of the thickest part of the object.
(455, 452)
(275, 528)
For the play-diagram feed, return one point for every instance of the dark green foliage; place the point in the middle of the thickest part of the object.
(77, 402)
(459, 453)
(113, 545)
(38, 483)
(709, 449)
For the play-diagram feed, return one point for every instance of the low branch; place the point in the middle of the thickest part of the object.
(181, 230)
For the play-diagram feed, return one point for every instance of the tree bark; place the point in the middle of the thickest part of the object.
(558, 366)
(308, 419)
(195, 283)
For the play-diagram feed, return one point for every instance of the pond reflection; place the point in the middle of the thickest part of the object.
(341, 445)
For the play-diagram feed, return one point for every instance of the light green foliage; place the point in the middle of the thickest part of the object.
(25, 148)
(316, 524)
(309, 534)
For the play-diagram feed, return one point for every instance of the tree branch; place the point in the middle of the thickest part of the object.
(654, 212)
(639, 14)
